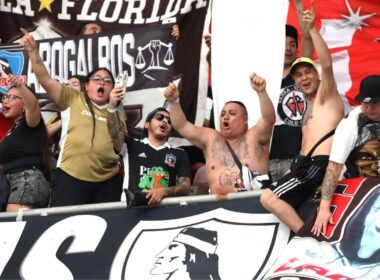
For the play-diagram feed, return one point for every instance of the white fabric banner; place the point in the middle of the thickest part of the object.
(247, 36)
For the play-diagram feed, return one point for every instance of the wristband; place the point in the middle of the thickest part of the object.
(173, 101)
(111, 110)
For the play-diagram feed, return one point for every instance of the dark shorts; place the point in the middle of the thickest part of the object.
(29, 187)
(67, 190)
(303, 180)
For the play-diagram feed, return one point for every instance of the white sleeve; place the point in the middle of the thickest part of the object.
(344, 138)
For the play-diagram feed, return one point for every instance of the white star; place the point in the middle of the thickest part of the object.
(355, 20)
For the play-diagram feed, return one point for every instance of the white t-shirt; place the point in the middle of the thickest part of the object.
(345, 137)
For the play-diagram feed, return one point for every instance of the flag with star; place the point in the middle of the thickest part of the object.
(351, 29)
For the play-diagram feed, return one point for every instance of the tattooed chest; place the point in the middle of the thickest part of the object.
(221, 154)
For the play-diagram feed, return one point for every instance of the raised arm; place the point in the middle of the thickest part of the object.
(53, 128)
(52, 87)
(306, 42)
(175, 32)
(328, 81)
(328, 188)
(31, 106)
(198, 136)
(115, 129)
(265, 123)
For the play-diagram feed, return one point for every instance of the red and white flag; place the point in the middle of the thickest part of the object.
(351, 29)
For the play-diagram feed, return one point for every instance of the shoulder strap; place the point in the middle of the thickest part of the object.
(320, 141)
(236, 159)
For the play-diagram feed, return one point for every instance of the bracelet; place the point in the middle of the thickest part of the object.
(173, 101)
(299, 12)
(111, 110)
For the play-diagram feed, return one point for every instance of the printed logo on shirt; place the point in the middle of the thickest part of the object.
(99, 118)
(153, 178)
(170, 160)
(291, 106)
(142, 155)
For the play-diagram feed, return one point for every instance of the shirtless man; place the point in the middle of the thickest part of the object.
(250, 145)
(324, 111)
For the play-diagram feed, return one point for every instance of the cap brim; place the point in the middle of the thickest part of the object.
(361, 98)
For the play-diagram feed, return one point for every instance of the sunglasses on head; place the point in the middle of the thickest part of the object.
(161, 117)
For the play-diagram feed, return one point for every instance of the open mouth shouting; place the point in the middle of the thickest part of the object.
(225, 125)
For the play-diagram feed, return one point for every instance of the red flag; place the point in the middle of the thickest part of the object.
(351, 29)
(5, 125)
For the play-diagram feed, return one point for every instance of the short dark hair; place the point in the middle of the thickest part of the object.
(81, 79)
(291, 31)
(82, 26)
(241, 104)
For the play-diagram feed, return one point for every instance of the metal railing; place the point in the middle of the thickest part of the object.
(168, 201)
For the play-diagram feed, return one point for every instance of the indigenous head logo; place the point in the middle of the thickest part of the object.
(10, 63)
(361, 239)
(291, 106)
(216, 244)
(191, 255)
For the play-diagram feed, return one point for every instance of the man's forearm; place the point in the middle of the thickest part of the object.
(266, 107)
(330, 180)
(306, 42)
(182, 188)
(177, 116)
(321, 48)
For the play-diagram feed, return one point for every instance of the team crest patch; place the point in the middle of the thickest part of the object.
(10, 63)
(291, 106)
(170, 159)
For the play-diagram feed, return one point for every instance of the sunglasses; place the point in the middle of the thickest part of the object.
(98, 80)
(161, 117)
(9, 97)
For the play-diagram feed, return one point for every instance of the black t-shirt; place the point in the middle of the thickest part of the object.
(287, 132)
(154, 168)
(22, 147)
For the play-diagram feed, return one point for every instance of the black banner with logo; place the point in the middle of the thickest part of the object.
(194, 241)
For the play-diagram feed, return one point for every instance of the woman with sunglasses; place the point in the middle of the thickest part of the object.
(24, 155)
(87, 167)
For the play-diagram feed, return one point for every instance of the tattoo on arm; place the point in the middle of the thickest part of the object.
(329, 181)
(114, 126)
(179, 189)
(39, 60)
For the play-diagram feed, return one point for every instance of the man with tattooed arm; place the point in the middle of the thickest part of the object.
(251, 146)
(323, 113)
(356, 144)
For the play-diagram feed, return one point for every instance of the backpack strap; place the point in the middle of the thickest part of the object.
(328, 135)
(236, 159)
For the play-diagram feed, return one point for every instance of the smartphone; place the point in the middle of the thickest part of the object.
(121, 80)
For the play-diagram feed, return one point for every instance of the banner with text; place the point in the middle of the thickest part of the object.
(213, 240)
(53, 19)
